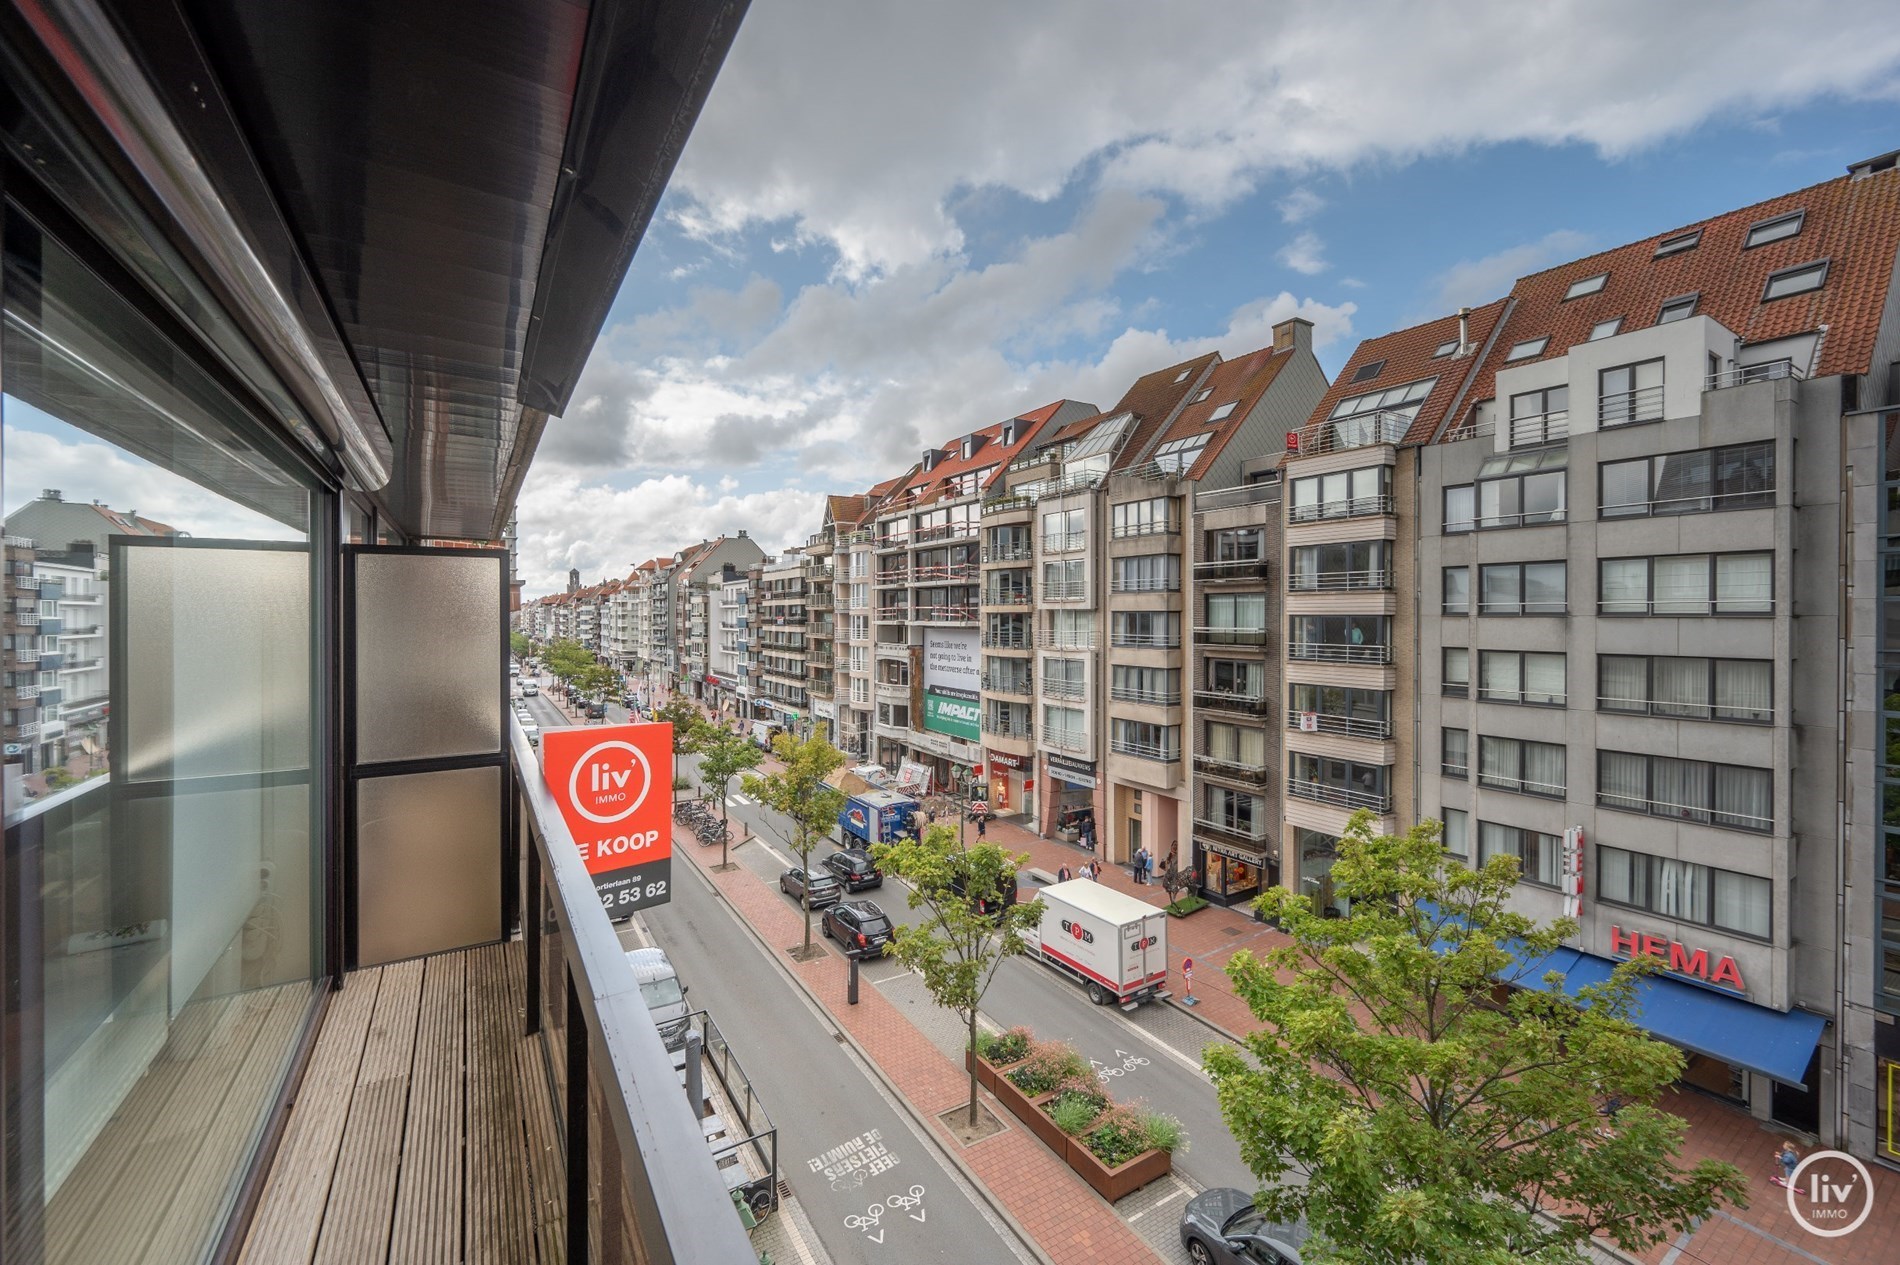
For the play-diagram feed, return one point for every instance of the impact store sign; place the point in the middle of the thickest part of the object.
(614, 786)
(953, 717)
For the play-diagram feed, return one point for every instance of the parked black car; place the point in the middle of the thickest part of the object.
(825, 890)
(1220, 1227)
(855, 869)
(858, 926)
(992, 904)
(597, 709)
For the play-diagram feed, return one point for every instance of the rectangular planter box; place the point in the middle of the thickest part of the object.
(1029, 1111)
(986, 1073)
(1114, 1183)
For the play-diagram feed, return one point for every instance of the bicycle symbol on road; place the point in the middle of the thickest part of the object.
(1129, 1062)
(871, 1221)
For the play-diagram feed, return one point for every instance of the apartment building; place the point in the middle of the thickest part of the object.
(1647, 551)
(783, 645)
(848, 519)
(821, 632)
(732, 633)
(926, 604)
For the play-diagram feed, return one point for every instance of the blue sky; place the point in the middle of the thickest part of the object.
(866, 249)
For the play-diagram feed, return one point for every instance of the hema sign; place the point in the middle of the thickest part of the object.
(614, 788)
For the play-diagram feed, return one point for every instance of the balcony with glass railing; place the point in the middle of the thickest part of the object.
(1228, 635)
(1233, 768)
(1340, 726)
(1231, 570)
(1233, 829)
(1347, 797)
(1367, 430)
(1163, 752)
(1338, 652)
(1125, 639)
(1339, 581)
(1233, 701)
(1148, 698)
(1144, 584)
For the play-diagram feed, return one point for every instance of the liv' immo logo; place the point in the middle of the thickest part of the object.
(609, 782)
(1831, 1194)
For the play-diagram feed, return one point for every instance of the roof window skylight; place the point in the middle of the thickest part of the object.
(1201, 394)
(1797, 280)
(1527, 348)
(1223, 412)
(1404, 398)
(1178, 454)
(1605, 329)
(1680, 308)
(1777, 229)
(1445, 349)
(1588, 285)
(1367, 372)
(1679, 243)
(1183, 375)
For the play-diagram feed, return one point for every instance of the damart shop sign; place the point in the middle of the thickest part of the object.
(613, 787)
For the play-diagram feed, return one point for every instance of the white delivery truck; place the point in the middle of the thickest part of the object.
(1113, 945)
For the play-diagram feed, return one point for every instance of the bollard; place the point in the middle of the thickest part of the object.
(851, 990)
(695, 1091)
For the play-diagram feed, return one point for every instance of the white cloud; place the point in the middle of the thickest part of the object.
(825, 120)
(1301, 204)
(1305, 254)
(1477, 281)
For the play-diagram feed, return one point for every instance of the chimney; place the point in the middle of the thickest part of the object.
(1296, 332)
(1464, 330)
(50, 494)
(742, 533)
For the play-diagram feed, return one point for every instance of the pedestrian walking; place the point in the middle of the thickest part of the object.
(1095, 872)
(1062, 873)
(1789, 1159)
(1147, 860)
(982, 825)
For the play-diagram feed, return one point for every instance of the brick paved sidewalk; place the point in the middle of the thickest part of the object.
(1762, 1234)
(1054, 1206)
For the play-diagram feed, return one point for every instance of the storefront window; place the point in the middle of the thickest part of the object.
(160, 776)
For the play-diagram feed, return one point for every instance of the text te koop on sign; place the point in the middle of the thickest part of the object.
(614, 786)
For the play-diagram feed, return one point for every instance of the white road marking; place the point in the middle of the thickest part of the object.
(1180, 1188)
(805, 1254)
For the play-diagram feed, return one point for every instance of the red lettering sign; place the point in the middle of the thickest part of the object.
(614, 786)
(1677, 957)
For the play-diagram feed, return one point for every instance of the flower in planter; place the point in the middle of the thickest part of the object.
(1004, 1048)
(1119, 1136)
(1078, 1103)
(1047, 1065)
(1164, 1133)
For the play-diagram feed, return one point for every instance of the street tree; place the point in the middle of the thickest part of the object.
(519, 645)
(802, 794)
(565, 658)
(958, 946)
(724, 755)
(1437, 1120)
(593, 677)
(687, 722)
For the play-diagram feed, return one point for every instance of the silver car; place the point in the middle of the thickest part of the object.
(1220, 1227)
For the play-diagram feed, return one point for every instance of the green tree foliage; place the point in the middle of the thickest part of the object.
(724, 755)
(566, 658)
(957, 949)
(519, 645)
(687, 722)
(1436, 1114)
(802, 794)
(594, 677)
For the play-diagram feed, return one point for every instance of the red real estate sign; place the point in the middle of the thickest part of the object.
(614, 785)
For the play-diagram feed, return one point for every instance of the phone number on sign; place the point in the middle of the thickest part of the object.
(623, 892)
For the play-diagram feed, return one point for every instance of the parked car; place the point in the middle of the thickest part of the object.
(992, 903)
(855, 869)
(533, 731)
(1220, 1227)
(858, 926)
(529, 689)
(627, 701)
(825, 890)
(661, 990)
(597, 709)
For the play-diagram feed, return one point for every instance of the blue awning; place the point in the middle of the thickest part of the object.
(1777, 1044)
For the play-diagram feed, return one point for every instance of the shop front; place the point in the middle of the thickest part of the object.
(1071, 798)
(1317, 851)
(1231, 874)
(1887, 1092)
(1011, 783)
(824, 720)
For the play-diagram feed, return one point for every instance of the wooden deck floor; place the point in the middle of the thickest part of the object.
(424, 1130)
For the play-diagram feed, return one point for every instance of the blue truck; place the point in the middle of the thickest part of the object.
(875, 817)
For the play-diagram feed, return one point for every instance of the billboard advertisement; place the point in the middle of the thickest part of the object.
(953, 680)
(614, 786)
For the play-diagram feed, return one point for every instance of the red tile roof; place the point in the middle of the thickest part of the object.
(925, 485)
(1406, 355)
(1152, 399)
(1240, 382)
(1852, 223)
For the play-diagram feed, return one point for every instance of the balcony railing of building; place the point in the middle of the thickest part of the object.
(893, 540)
(1163, 752)
(1338, 796)
(819, 600)
(1263, 493)
(27, 584)
(80, 665)
(1233, 701)
(1229, 636)
(1007, 595)
(1027, 494)
(1226, 571)
(1009, 726)
(1064, 739)
(899, 688)
(1063, 688)
(29, 730)
(1742, 375)
(1351, 507)
(1369, 430)
(1148, 698)
(945, 613)
(1064, 541)
(1538, 429)
(1064, 590)
(883, 647)
(24, 692)
(1009, 639)
(639, 1171)
(1142, 641)
(1234, 770)
(1338, 581)
(944, 573)
(1338, 652)
(943, 531)
(1343, 726)
(1069, 639)
(1144, 584)
(1625, 408)
(893, 614)
(890, 577)
(1022, 551)
(1169, 526)
(1234, 831)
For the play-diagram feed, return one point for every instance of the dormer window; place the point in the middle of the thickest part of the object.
(969, 447)
(1526, 349)
(1797, 280)
(1679, 243)
(1680, 308)
(1605, 329)
(1777, 229)
(1367, 372)
(1223, 412)
(1445, 349)
(1589, 285)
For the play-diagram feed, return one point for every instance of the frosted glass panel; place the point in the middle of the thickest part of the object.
(218, 667)
(428, 655)
(428, 869)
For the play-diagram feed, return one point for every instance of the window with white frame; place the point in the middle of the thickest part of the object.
(1240, 745)
(1063, 530)
(1159, 687)
(1065, 580)
(1455, 677)
(1341, 494)
(1062, 728)
(1457, 833)
(1150, 629)
(1145, 740)
(1725, 795)
(1062, 678)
